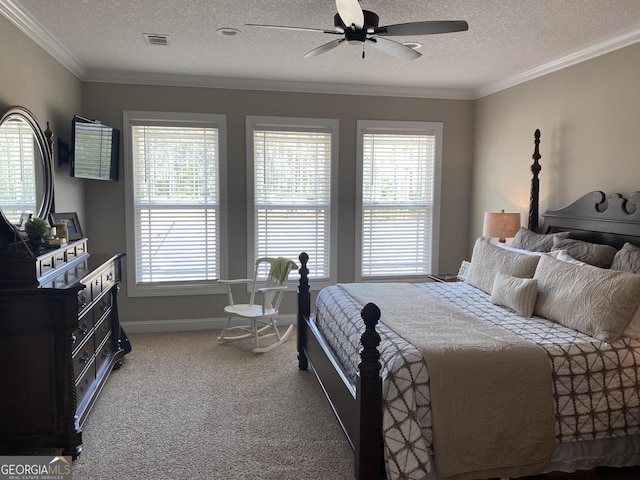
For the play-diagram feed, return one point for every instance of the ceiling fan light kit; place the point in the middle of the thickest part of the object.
(360, 27)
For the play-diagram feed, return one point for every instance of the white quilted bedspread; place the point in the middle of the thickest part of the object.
(595, 384)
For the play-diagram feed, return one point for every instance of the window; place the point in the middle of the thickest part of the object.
(292, 179)
(175, 202)
(18, 181)
(397, 199)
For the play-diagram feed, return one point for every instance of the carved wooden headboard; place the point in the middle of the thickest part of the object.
(598, 218)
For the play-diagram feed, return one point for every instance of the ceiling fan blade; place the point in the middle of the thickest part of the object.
(351, 13)
(423, 28)
(394, 48)
(284, 27)
(324, 48)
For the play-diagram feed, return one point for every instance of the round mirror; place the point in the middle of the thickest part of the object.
(26, 185)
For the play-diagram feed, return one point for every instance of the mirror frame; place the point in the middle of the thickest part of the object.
(21, 113)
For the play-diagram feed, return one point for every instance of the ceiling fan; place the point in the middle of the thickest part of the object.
(357, 26)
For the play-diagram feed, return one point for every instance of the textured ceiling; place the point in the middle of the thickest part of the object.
(508, 41)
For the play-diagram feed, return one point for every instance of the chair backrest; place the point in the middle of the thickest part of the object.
(278, 273)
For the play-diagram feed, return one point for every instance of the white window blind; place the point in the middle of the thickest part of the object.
(176, 204)
(397, 202)
(291, 187)
(17, 182)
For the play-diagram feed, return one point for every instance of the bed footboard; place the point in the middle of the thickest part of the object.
(359, 410)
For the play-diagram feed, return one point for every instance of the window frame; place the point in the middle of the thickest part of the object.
(204, 287)
(294, 123)
(399, 127)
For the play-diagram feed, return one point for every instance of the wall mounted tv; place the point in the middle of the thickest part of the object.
(95, 151)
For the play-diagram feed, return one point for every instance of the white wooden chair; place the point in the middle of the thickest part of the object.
(263, 306)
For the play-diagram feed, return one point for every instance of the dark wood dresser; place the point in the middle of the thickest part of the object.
(60, 338)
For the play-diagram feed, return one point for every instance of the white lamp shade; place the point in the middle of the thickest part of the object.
(501, 225)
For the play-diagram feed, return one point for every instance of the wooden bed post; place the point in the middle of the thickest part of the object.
(304, 309)
(535, 184)
(369, 459)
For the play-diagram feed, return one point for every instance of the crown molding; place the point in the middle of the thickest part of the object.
(274, 85)
(41, 36)
(593, 50)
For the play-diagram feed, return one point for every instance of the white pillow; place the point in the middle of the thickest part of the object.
(565, 257)
(519, 250)
(518, 294)
(487, 260)
(592, 300)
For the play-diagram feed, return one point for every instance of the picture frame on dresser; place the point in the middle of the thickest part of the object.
(70, 219)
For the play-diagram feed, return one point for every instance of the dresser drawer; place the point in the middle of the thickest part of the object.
(84, 299)
(85, 324)
(102, 307)
(59, 258)
(108, 278)
(82, 358)
(103, 329)
(84, 385)
(96, 286)
(45, 265)
(70, 253)
(105, 353)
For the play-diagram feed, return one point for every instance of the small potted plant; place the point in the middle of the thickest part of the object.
(36, 228)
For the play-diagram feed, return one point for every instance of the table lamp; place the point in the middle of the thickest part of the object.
(501, 225)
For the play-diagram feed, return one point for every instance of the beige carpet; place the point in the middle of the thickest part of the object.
(184, 407)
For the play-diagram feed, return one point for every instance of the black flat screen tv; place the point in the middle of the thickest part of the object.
(95, 151)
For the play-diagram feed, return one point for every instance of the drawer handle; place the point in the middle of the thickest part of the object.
(104, 305)
(97, 282)
(74, 339)
(106, 354)
(110, 276)
(84, 328)
(85, 357)
(82, 300)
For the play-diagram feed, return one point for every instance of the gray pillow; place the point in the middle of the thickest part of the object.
(488, 259)
(591, 253)
(592, 300)
(536, 242)
(627, 259)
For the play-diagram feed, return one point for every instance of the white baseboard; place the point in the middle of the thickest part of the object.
(154, 326)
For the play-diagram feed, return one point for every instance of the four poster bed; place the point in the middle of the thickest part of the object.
(529, 365)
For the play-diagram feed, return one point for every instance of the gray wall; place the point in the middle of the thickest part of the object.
(31, 78)
(105, 200)
(588, 118)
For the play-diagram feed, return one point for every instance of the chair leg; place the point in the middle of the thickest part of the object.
(224, 336)
(276, 333)
(224, 329)
(254, 326)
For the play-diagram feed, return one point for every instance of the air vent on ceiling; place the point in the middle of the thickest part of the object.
(156, 39)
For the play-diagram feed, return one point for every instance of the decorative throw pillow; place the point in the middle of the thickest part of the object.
(536, 242)
(591, 253)
(518, 294)
(487, 260)
(592, 300)
(627, 259)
